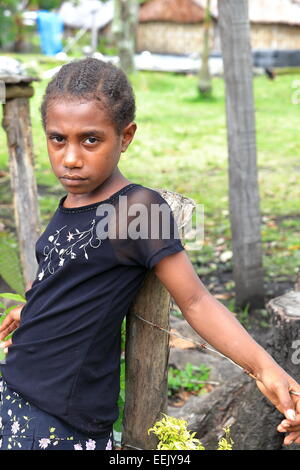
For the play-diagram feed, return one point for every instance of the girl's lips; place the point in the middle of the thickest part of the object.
(72, 181)
(73, 177)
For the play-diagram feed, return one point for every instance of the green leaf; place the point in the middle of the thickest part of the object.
(10, 266)
(8, 295)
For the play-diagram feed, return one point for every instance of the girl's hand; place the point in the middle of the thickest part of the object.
(9, 324)
(276, 384)
(292, 430)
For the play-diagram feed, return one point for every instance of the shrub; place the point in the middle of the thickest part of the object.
(172, 434)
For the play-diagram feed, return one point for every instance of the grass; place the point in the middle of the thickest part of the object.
(191, 378)
(181, 145)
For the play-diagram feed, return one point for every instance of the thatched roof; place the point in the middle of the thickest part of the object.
(175, 11)
(267, 11)
(192, 11)
(275, 11)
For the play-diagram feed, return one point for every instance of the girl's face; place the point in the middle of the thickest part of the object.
(83, 146)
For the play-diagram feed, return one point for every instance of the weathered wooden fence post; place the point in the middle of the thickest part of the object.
(147, 349)
(243, 180)
(17, 124)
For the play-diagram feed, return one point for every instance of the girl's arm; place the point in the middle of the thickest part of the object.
(219, 327)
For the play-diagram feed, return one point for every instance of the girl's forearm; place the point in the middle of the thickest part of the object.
(219, 327)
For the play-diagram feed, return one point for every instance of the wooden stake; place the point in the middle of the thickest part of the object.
(16, 122)
(147, 351)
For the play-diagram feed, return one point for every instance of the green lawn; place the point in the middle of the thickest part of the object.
(181, 145)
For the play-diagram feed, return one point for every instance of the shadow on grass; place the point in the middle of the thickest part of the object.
(203, 99)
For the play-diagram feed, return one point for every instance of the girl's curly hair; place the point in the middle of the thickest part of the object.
(93, 79)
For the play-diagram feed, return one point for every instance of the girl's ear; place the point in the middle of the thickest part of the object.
(127, 135)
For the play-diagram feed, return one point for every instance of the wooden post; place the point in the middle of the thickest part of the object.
(147, 349)
(16, 123)
(243, 181)
(204, 75)
(297, 283)
(94, 33)
(124, 30)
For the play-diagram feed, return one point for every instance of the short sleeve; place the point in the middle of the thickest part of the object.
(147, 231)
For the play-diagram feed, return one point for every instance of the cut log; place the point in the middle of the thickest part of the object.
(147, 349)
(285, 312)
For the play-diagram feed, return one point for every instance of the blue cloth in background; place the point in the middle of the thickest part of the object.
(50, 27)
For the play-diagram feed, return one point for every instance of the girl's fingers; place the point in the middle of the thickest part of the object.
(288, 424)
(13, 316)
(286, 402)
(293, 437)
(5, 344)
(6, 322)
(286, 427)
(11, 327)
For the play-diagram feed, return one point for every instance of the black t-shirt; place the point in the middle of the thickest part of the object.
(65, 355)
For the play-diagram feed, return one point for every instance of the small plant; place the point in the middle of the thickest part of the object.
(118, 425)
(241, 314)
(172, 434)
(225, 442)
(191, 378)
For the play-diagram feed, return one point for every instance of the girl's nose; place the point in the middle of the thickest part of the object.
(72, 157)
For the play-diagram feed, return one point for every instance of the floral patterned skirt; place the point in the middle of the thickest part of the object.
(23, 426)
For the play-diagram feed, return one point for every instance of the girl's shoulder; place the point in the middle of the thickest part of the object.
(145, 195)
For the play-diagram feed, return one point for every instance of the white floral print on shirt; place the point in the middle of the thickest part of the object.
(59, 244)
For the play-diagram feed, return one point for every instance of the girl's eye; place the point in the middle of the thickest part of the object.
(59, 139)
(91, 140)
(56, 138)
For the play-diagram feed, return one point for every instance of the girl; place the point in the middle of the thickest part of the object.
(61, 376)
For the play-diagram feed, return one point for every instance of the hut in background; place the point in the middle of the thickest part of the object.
(171, 27)
(176, 26)
(275, 24)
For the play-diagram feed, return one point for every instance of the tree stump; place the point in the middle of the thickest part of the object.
(147, 348)
(16, 123)
(285, 311)
(238, 401)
